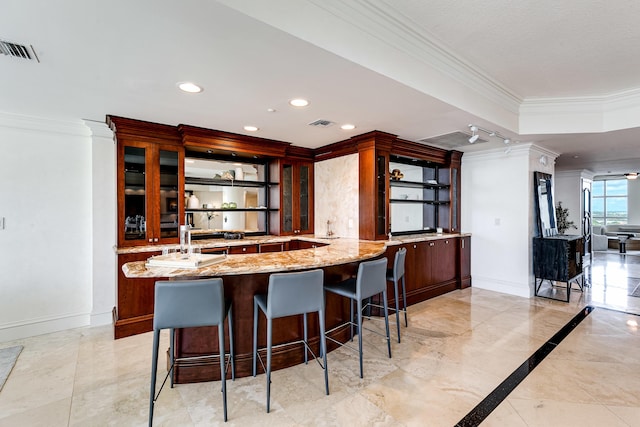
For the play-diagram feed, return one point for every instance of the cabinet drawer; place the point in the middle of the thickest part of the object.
(244, 249)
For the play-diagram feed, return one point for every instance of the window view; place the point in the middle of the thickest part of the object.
(609, 198)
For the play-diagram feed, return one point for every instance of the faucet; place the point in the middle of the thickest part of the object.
(329, 232)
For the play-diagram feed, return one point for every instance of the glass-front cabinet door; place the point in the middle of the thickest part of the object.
(169, 186)
(135, 194)
(149, 182)
(297, 200)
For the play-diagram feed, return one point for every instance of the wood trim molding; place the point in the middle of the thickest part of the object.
(195, 137)
(143, 131)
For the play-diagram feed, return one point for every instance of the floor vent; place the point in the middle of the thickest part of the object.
(322, 123)
(18, 50)
(451, 140)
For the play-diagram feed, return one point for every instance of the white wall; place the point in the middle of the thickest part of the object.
(497, 194)
(56, 251)
(336, 196)
(634, 201)
(568, 187)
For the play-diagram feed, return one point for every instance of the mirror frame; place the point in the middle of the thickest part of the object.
(544, 206)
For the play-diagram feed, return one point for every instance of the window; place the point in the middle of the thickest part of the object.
(609, 202)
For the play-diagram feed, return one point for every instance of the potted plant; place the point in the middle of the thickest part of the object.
(562, 219)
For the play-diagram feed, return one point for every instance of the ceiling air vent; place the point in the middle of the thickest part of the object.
(451, 140)
(322, 123)
(18, 50)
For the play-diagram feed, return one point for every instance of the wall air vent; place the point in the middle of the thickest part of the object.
(451, 141)
(321, 123)
(18, 50)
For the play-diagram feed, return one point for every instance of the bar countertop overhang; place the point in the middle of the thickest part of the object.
(335, 251)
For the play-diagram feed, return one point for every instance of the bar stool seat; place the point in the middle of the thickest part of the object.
(291, 294)
(186, 304)
(370, 281)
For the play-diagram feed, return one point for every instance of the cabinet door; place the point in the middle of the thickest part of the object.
(443, 260)
(169, 193)
(418, 259)
(297, 197)
(150, 182)
(464, 260)
(133, 188)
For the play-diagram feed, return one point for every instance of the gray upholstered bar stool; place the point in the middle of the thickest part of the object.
(370, 281)
(187, 304)
(290, 294)
(397, 276)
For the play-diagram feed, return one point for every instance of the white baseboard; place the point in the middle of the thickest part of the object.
(42, 326)
(101, 319)
(505, 287)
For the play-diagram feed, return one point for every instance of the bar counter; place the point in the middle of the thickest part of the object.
(248, 274)
(336, 252)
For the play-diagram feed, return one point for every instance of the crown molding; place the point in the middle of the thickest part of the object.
(400, 32)
(42, 124)
(584, 114)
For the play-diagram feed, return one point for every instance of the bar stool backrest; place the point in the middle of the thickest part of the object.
(372, 278)
(189, 303)
(398, 264)
(295, 293)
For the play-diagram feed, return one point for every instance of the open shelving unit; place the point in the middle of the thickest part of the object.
(419, 201)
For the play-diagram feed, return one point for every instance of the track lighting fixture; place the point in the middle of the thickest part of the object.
(474, 135)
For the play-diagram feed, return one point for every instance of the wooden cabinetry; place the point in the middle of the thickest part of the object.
(423, 197)
(150, 181)
(296, 204)
(430, 200)
(430, 268)
(464, 262)
(133, 313)
(243, 249)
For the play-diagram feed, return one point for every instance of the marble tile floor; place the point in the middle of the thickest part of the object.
(456, 350)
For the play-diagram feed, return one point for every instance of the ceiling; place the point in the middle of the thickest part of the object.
(413, 68)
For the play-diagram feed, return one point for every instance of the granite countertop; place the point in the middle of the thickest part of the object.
(339, 251)
(336, 251)
(411, 238)
(223, 243)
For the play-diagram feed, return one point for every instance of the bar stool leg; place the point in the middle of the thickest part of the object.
(395, 290)
(323, 350)
(223, 373)
(386, 321)
(404, 302)
(306, 339)
(232, 352)
(172, 340)
(351, 317)
(269, 321)
(360, 334)
(255, 335)
(154, 369)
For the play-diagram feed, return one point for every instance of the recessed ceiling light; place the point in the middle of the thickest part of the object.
(299, 102)
(250, 128)
(190, 87)
(348, 126)
(271, 110)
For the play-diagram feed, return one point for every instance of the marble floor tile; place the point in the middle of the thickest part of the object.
(457, 349)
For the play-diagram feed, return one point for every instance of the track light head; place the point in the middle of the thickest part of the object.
(474, 136)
